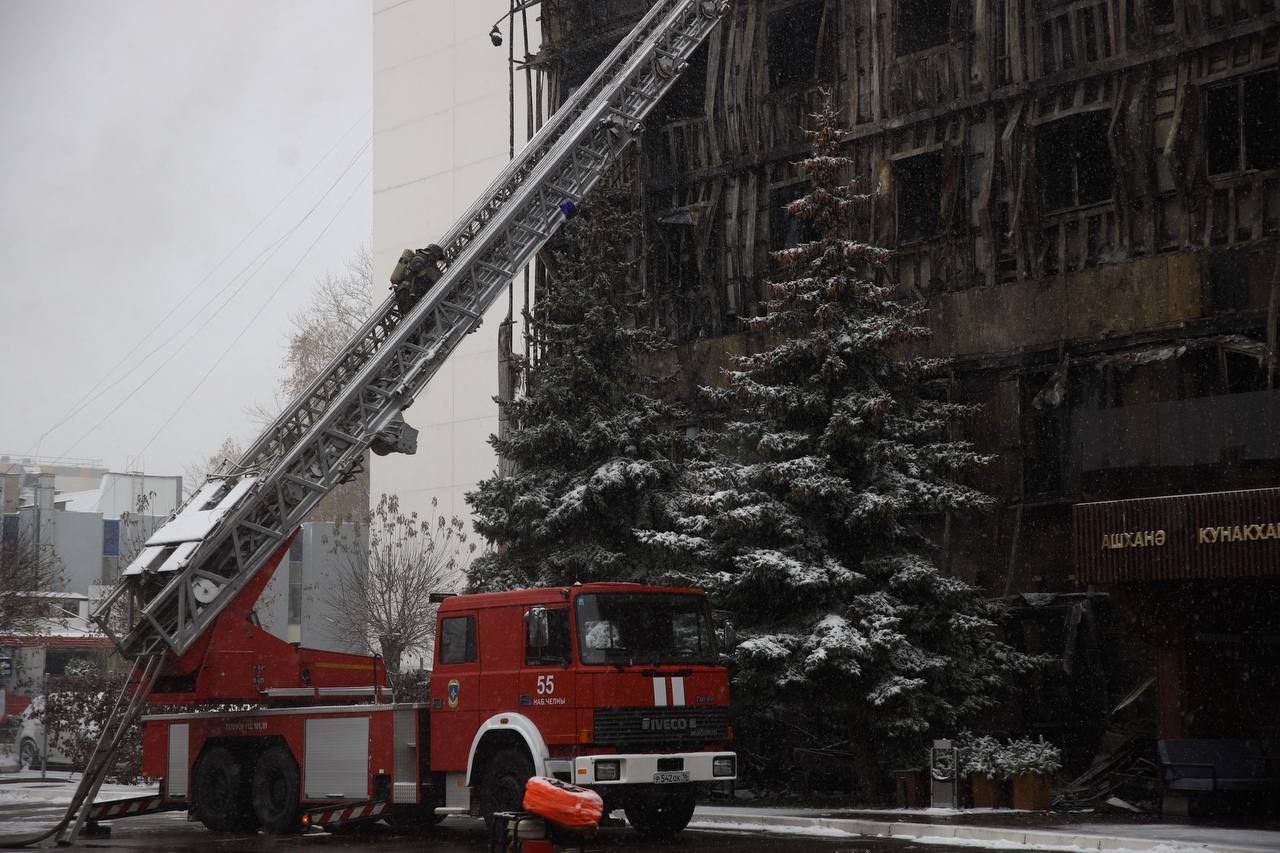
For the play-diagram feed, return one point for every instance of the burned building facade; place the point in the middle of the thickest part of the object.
(1086, 193)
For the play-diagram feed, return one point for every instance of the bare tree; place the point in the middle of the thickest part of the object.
(195, 473)
(25, 567)
(389, 564)
(339, 305)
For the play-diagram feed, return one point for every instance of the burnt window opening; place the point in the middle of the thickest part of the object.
(1074, 161)
(1042, 439)
(1001, 43)
(578, 66)
(802, 45)
(1161, 12)
(917, 185)
(1244, 374)
(676, 285)
(1090, 34)
(920, 24)
(687, 98)
(1242, 124)
(1229, 279)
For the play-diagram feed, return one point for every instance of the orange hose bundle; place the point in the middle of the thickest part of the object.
(563, 804)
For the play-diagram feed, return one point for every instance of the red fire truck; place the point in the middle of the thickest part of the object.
(610, 686)
(616, 687)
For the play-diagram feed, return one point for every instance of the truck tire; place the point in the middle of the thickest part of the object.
(661, 815)
(502, 787)
(219, 796)
(28, 755)
(275, 792)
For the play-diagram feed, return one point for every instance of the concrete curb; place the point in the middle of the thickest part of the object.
(968, 835)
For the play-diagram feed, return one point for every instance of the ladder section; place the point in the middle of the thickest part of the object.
(294, 420)
(196, 563)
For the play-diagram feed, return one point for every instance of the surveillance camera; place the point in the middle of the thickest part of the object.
(495, 36)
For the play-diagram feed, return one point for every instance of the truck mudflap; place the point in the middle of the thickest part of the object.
(345, 813)
(149, 804)
(655, 768)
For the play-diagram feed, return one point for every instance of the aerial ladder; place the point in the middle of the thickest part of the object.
(208, 559)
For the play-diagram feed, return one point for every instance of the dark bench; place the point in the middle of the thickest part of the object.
(1210, 766)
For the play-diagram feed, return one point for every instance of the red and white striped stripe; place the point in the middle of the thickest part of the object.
(126, 808)
(342, 814)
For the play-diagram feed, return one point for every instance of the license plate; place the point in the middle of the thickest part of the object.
(667, 778)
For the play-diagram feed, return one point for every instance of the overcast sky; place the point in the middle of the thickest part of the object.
(142, 140)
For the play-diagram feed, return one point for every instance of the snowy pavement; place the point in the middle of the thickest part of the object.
(59, 786)
(28, 802)
(927, 829)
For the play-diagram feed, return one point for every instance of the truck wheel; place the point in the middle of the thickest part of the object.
(502, 789)
(28, 754)
(661, 816)
(275, 792)
(219, 797)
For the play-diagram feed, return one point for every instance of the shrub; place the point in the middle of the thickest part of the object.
(985, 755)
(1034, 756)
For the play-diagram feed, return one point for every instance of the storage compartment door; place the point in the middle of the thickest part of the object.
(179, 760)
(337, 759)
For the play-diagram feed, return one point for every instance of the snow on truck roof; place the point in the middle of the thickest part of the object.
(551, 594)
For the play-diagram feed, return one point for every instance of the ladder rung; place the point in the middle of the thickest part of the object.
(502, 272)
(537, 232)
(564, 193)
(266, 531)
(453, 306)
(342, 436)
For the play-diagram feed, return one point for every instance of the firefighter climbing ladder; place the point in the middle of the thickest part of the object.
(193, 566)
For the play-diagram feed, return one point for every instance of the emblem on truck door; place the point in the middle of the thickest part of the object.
(453, 692)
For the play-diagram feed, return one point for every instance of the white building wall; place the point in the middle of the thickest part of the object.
(440, 125)
(272, 606)
(325, 556)
(76, 538)
(123, 493)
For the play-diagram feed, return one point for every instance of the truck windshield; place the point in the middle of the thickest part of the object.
(644, 627)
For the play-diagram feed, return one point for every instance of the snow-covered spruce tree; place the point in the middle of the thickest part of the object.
(593, 449)
(808, 522)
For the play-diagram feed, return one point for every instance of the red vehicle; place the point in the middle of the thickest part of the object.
(610, 686)
(615, 687)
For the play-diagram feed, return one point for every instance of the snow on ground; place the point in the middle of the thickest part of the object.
(785, 829)
(1113, 837)
(28, 788)
(1019, 845)
(939, 840)
(1188, 834)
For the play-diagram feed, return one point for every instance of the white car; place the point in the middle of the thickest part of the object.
(30, 739)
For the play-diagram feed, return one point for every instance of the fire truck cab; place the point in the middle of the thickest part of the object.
(617, 687)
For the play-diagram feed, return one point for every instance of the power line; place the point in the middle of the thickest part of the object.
(256, 315)
(84, 401)
(274, 248)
